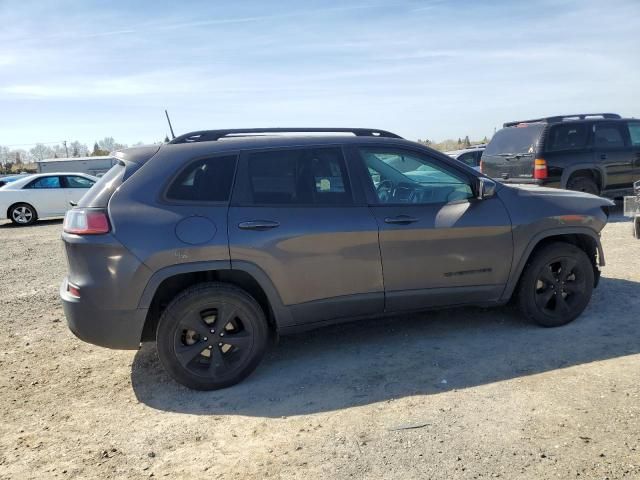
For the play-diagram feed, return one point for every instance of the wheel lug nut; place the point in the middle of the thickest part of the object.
(210, 347)
(220, 344)
(213, 331)
(205, 339)
(222, 334)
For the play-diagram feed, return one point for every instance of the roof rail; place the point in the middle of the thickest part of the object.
(562, 118)
(213, 135)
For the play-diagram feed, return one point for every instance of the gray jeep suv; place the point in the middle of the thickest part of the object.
(210, 244)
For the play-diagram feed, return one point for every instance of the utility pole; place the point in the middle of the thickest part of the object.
(64, 142)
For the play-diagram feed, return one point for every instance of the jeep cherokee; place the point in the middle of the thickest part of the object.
(210, 244)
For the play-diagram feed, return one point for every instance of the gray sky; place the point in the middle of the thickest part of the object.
(424, 69)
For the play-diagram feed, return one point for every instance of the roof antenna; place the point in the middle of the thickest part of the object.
(168, 120)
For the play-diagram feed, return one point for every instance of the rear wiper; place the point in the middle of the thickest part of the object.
(513, 155)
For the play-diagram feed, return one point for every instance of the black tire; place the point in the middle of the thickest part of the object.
(23, 214)
(205, 318)
(583, 184)
(556, 285)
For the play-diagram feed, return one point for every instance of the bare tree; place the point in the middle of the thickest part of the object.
(108, 144)
(78, 149)
(40, 152)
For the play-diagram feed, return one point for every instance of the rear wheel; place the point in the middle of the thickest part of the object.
(556, 285)
(583, 184)
(212, 336)
(22, 214)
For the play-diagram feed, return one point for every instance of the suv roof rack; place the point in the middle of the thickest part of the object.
(213, 135)
(562, 118)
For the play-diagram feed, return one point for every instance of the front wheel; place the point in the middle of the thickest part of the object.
(556, 285)
(211, 336)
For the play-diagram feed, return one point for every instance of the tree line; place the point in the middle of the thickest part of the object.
(20, 159)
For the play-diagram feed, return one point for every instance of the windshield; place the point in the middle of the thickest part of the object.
(515, 140)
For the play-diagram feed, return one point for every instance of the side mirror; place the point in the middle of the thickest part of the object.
(636, 187)
(486, 188)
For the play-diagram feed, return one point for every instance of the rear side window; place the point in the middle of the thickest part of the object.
(514, 140)
(77, 182)
(567, 137)
(45, 182)
(299, 177)
(608, 136)
(206, 180)
(634, 133)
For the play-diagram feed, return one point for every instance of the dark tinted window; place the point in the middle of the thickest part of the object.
(634, 133)
(608, 136)
(77, 182)
(305, 176)
(469, 158)
(207, 180)
(515, 140)
(568, 137)
(45, 182)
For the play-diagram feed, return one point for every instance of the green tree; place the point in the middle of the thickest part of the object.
(459, 141)
(467, 142)
(166, 139)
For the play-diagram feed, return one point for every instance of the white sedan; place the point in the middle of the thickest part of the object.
(42, 195)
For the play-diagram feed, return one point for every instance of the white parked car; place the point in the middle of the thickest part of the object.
(42, 195)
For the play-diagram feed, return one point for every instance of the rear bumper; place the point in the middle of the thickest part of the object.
(121, 329)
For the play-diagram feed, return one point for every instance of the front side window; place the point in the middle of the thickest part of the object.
(608, 136)
(299, 177)
(78, 182)
(634, 133)
(568, 137)
(45, 182)
(401, 177)
(206, 180)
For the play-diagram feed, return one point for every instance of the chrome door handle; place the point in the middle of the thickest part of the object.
(401, 220)
(258, 225)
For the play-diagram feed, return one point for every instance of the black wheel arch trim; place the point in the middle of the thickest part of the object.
(281, 313)
(533, 243)
(568, 171)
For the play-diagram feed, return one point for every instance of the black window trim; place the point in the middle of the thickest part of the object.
(628, 124)
(446, 164)
(588, 142)
(164, 199)
(242, 196)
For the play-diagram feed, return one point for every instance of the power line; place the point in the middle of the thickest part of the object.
(36, 143)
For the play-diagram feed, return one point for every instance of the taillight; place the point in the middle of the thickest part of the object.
(81, 221)
(540, 169)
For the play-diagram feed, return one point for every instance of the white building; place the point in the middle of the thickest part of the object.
(92, 165)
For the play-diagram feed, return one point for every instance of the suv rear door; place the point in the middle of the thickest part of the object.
(439, 244)
(613, 152)
(297, 215)
(510, 155)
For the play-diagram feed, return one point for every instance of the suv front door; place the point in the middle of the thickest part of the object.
(439, 244)
(612, 151)
(296, 215)
(634, 137)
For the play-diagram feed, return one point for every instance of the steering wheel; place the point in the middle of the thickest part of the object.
(384, 190)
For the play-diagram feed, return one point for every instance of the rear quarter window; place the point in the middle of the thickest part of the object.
(205, 180)
(567, 137)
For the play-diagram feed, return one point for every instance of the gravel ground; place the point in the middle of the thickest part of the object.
(468, 393)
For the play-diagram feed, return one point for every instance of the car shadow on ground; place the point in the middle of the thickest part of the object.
(371, 361)
(40, 223)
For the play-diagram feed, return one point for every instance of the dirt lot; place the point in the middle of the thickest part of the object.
(468, 393)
